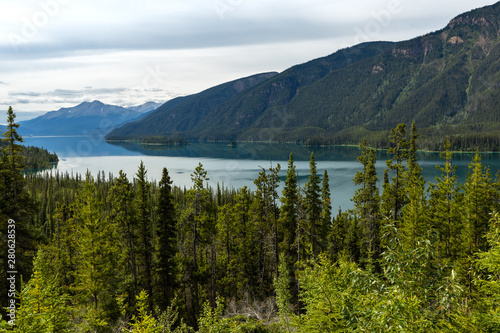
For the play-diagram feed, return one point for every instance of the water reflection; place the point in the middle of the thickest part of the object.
(235, 166)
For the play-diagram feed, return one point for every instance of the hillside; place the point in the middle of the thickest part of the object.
(84, 118)
(180, 115)
(447, 81)
(185, 116)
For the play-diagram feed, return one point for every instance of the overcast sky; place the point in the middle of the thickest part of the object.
(59, 53)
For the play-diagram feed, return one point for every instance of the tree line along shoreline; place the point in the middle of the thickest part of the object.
(124, 254)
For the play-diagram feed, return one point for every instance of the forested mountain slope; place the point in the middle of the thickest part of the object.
(447, 79)
(182, 114)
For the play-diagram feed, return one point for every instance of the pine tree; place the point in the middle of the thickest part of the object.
(477, 208)
(366, 202)
(64, 248)
(15, 204)
(166, 242)
(478, 204)
(288, 217)
(145, 229)
(313, 209)
(290, 228)
(445, 208)
(263, 212)
(399, 151)
(326, 211)
(237, 244)
(121, 198)
(14, 165)
(196, 229)
(414, 222)
(245, 243)
(97, 258)
(267, 197)
(273, 184)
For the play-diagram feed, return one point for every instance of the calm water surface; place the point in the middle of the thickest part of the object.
(232, 166)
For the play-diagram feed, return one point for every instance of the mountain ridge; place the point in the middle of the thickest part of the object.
(184, 112)
(446, 81)
(83, 118)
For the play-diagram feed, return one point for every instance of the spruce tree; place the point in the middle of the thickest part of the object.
(166, 232)
(267, 196)
(288, 217)
(313, 209)
(446, 208)
(477, 209)
(399, 152)
(263, 218)
(290, 229)
(414, 222)
(195, 232)
(145, 229)
(14, 165)
(478, 204)
(97, 257)
(366, 202)
(15, 204)
(273, 184)
(326, 211)
(123, 213)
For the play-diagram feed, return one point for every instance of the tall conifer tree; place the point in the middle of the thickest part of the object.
(145, 229)
(166, 242)
(446, 208)
(414, 222)
(288, 218)
(313, 208)
(366, 201)
(123, 213)
(399, 152)
(15, 204)
(326, 212)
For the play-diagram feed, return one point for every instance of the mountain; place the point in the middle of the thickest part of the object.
(84, 118)
(180, 115)
(185, 116)
(146, 107)
(446, 81)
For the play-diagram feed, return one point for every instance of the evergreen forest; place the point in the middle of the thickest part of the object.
(107, 253)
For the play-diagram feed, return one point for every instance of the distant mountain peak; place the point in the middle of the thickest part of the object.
(146, 107)
(84, 117)
(96, 103)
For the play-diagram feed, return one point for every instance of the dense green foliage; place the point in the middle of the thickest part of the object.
(36, 158)
(29, 157)
(447, 81)
(132, 255)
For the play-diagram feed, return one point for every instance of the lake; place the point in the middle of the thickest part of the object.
(232, 166)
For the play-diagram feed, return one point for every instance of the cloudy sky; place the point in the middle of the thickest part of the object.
(59, 53)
